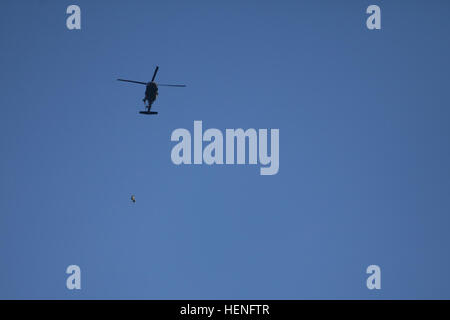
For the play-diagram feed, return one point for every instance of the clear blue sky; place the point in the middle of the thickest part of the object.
(364, 150)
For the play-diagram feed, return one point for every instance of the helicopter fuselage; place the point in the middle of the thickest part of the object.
(151, 92)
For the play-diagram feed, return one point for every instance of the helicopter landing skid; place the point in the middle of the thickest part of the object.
(148, 112)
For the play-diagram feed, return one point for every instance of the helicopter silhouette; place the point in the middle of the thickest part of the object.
(151, 91)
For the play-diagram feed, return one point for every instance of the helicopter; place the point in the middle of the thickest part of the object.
(151, 91)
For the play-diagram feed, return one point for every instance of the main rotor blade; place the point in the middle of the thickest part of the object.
(132, 81)
(172, 85)
(154, 74)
